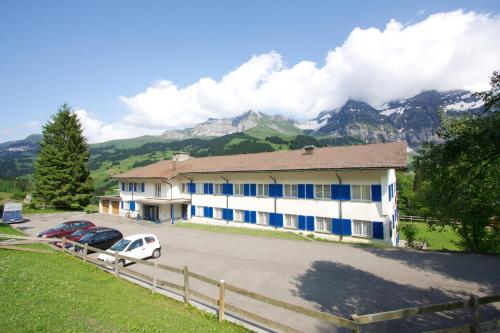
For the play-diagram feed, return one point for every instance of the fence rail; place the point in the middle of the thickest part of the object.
(355, 322)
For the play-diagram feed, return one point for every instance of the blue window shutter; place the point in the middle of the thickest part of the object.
(224, 213)
(224, 189)
(205, 211)
(376, 193)
(378, 230)
(229, 214)
(230, 189)
(211, 188)
(335, 192)
(253, 215)
(272, 190)
(135, 187)
(272, 219)
(121, 202)
(247, 216)
(211, 211)
(302, 222)
(193, 210)
(337, 226)
(279, 220)
(123, 187)
(132, 205)
(278, 190)
(246, 190)
(346, 192)
(205, 188)
(301, 189)
(253, 190)
(310, 223)
(310, 191)
(346, 227)
(143, 187)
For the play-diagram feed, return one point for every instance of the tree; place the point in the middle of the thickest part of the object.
(62, 176)
(458, 180)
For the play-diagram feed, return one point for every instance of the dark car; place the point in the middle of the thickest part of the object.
(65, 229)
(77, 235)
(103, 239)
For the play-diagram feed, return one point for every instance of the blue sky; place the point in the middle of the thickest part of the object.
(89, 53)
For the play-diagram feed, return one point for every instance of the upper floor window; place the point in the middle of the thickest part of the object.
(361, 192)
(158, 190)
(199, 188)
(262, 190)
(291, 190)
(238, 189)
(290, 221)
(361, 228)
(322, 191)
(263, 218)
(218, 213)
(218, 189)
(323, 224)
(239, 215)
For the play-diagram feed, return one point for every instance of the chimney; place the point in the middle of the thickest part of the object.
(308, 150)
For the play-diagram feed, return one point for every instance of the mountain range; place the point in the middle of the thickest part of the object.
(414, 120)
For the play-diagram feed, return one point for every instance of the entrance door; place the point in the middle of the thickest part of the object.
(184, 209)
(150, 212)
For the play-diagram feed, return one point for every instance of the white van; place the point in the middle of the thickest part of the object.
(136, 246)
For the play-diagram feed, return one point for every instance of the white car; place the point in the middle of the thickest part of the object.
(136, 246)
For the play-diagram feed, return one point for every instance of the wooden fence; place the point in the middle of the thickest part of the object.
(355, 323)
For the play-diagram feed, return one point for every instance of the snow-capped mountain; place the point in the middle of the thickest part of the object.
(413, 120)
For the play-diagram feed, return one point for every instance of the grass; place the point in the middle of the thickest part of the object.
(437, 240)
(57, 293)
(241, 231)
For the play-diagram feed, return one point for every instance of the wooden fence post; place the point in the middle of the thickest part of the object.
(474, 306)
(155, 276)
(186, 285)
(63, 244)
(116, 263)
(85, 252)
(222, 287)
(358, 328)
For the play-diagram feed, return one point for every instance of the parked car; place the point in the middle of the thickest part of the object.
(137, 246)
(103, 239)
(77, 235)
(65, 229)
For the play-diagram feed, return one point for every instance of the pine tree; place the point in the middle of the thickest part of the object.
(62, 176)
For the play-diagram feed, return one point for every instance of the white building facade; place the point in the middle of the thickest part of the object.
(353, 204)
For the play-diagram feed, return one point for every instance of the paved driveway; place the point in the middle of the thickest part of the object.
(337, 278)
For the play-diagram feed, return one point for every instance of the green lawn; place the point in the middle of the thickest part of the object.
(437, 240)
(58, 293)
(241, 231)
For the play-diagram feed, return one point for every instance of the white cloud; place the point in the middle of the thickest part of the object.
(445, 51)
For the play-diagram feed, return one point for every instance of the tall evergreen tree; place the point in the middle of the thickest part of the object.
(62, 176)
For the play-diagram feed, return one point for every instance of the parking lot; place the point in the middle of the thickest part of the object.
(336, 278)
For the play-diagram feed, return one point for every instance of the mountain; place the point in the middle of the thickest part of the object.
(252, 122)
(414, 120)
(16, 157)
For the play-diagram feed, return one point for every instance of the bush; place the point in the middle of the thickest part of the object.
(409, 230)
(18, 196)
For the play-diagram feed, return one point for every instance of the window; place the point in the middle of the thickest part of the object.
(362, 228)
(218, 189)
(361, 192)
(262, 190)
(149, 240)
(199, 188)
(199, 210)
(323, 191)
(238, 189)
(239, 215)
(324, 224)
(291, 190)
(218, 213)
(263, 218)
(136, 244)
(158, 190)
(290, 221)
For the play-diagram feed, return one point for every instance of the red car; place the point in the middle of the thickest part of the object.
(66, 229)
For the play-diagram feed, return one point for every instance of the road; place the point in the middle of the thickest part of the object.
(340, 279)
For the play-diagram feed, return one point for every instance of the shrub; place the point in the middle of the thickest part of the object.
(409, 230)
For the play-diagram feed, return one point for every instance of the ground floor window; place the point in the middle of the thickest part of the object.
(362, 228)
(239, 215)
(218, 213)
(199, 210)
(290, 221)
(324, 224)
(263, 218)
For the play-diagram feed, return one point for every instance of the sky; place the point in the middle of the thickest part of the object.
(130, 68)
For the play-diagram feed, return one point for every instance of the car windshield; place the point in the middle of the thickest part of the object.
(120, 245)
(78, 233)
(59, 226)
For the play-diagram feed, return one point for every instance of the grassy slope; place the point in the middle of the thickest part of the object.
(444, 240)
(57, 293)
(241, 231)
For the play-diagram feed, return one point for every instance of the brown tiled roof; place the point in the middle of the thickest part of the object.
(372, 156)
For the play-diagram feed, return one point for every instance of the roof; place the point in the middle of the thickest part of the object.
(371, 156)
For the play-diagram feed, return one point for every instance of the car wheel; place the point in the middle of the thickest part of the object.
(121, 263)
(156, 253)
